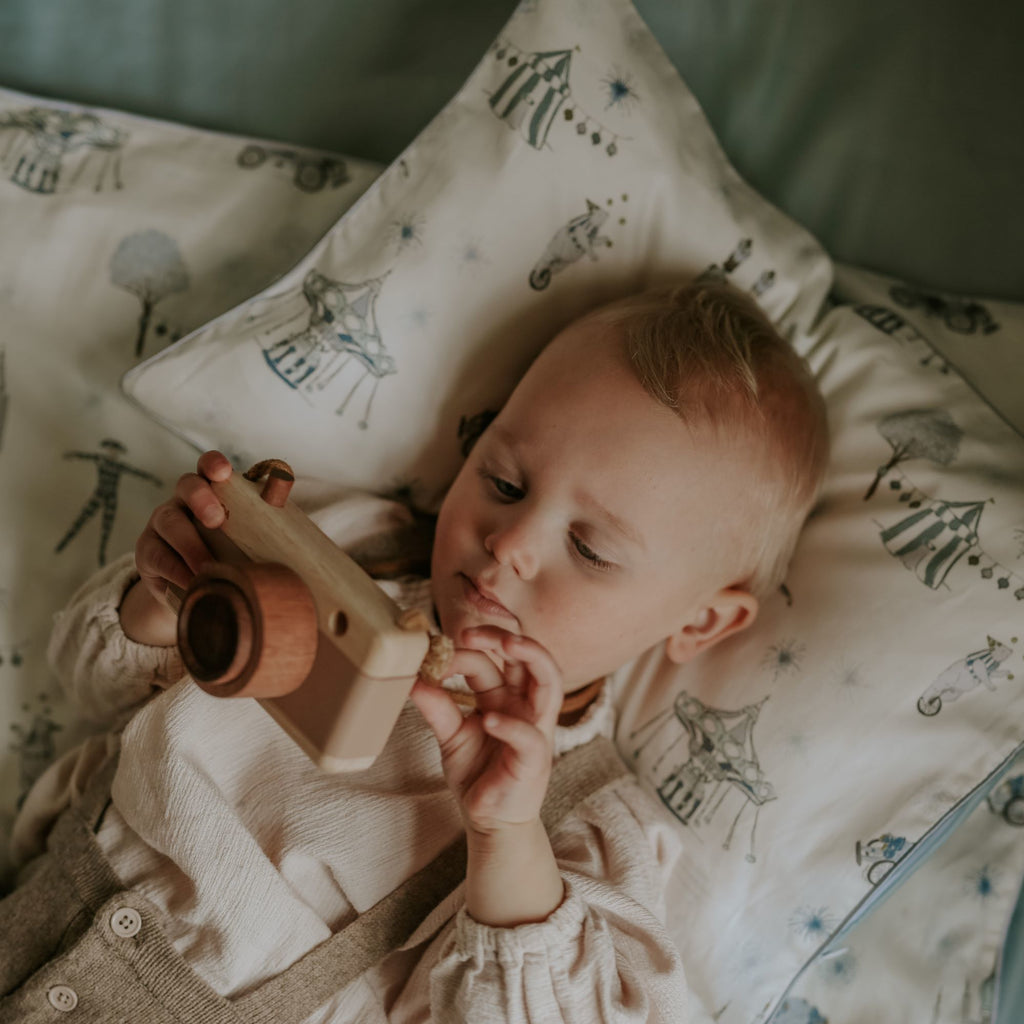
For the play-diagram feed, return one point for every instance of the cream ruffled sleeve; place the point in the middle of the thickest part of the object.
(103, 673)
(602, 955)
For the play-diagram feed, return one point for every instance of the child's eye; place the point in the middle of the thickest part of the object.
(505, 489)
(589, 554)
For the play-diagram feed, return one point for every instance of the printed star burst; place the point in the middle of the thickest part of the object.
(982, 882)
(812, 923)
(783, 657)
(407, 230)
(620, 91)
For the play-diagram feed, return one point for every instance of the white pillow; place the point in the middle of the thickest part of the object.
(813, 760)
(573, 165)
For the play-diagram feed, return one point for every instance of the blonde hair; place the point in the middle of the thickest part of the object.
(707, 351)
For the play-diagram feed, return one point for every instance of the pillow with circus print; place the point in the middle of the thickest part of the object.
(573, 165)
(816, 761)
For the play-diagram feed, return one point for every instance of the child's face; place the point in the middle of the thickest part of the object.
(590, 518)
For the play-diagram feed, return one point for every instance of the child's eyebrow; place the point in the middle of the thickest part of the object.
(612, 520)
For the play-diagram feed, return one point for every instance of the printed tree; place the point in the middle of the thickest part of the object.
(149, 265)
(918, 434)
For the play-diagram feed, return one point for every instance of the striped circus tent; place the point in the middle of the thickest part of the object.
(531, 96)
(934, 538)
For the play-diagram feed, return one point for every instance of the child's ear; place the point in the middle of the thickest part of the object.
(729, 611)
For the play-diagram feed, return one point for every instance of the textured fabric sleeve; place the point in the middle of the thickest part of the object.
(103, 673)
(602, 955)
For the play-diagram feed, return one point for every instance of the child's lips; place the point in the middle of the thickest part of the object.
(483, 600)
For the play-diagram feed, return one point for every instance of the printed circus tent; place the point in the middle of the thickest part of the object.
(533, 93)
(933, 539)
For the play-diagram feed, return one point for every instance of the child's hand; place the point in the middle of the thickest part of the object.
(170, 551)
(498, 759)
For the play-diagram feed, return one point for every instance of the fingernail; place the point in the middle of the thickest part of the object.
(211, 517)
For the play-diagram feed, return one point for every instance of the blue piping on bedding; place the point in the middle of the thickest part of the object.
(1011, 985)
(925, 847)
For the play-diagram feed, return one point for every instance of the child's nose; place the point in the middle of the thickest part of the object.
(512, 544)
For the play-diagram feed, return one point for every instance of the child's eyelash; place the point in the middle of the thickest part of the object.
(591, 556)
(500, 483)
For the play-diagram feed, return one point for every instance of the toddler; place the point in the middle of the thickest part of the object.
(644, 484)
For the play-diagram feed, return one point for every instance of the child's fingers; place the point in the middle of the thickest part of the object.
(438, 708)
(159, 565)
(194, 493)
(491, 638)
(545, 696)
(171, 526)
(484, 638)
(214, 465)
(480, 672)
(528, 745)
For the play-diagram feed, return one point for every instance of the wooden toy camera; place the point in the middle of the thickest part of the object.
(285, 616)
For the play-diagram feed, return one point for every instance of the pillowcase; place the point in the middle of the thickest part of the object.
(815, 759)
(120, 235)
(573, 165)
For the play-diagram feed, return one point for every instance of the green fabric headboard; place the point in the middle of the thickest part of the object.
(892, 131)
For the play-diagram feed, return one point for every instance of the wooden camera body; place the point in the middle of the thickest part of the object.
(285, 616)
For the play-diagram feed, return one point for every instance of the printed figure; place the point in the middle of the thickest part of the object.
(918, 434)
(342, 327)
(531, 96)
(931, 540)
(1007, 799)
(575, 239)
(979, 668)
(763, 283)
(312, 173)
(537, 86)
(10, 654)
(714, 272)
(881, 855)
(962, 317)
(34, 747)
(739, 255)
(720, 761)
(109, 468)
(149, 265)
(43, 138)
(888, 321)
